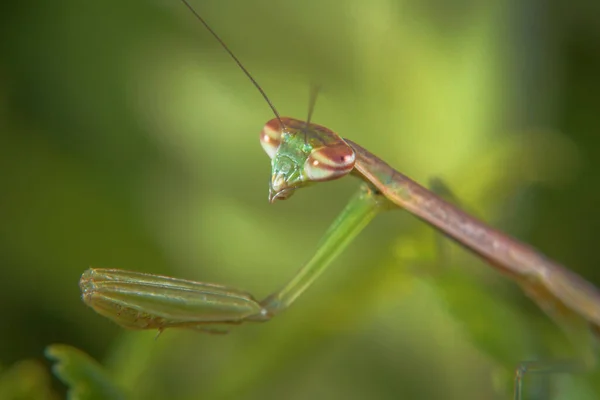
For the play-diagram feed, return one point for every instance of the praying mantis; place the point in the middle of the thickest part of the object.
(304, 153)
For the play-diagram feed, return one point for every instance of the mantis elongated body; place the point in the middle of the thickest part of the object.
(303, 153)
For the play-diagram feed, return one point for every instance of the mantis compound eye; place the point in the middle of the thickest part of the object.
(327, 163)
(270, 137)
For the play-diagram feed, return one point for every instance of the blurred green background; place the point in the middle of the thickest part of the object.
(129, 139)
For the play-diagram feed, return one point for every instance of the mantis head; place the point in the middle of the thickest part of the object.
(302, 153)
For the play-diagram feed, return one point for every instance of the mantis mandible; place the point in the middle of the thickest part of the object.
(303, 153)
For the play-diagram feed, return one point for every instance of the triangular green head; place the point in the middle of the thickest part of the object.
(302, 153)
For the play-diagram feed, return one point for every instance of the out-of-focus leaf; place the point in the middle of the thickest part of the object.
(26, 380)
(86, 378)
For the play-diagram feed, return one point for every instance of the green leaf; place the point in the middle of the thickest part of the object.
(85, 377)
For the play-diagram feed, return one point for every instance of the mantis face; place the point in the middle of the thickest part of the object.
(303, 153)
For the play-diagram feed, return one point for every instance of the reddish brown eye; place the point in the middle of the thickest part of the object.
(331, 162)
(270, 137)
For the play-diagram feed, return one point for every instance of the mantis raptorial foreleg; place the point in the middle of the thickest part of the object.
(361, 209)
(136, 300)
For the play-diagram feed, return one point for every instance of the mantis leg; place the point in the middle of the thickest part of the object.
(144, 301)
(361, 209)
(545, 367)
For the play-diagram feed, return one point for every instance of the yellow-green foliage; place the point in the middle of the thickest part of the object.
(129, 139)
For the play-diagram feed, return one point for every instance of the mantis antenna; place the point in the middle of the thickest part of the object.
(237, 61)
